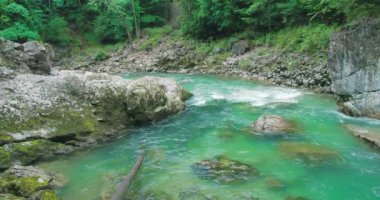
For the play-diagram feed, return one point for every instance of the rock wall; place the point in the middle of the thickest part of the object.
(354, 66)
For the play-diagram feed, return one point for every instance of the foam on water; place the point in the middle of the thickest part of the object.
(259, 96)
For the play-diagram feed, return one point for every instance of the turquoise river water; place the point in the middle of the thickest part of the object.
(216, 122)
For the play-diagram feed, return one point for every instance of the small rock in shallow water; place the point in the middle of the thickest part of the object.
(273, 124)
(223, 170)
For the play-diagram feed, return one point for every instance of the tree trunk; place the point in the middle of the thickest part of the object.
(122, 189)
(135, 18)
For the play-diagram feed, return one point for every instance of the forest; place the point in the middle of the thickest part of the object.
(64, 22)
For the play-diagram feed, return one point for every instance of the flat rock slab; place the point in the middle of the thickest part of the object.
(369, 135)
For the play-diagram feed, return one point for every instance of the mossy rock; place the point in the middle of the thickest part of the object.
(313, 154)
(45, 195)
(25, 186)
(10, 197)
(224, 170)
(57, 123)
(35, 150)
(29, 185)
(5, 159)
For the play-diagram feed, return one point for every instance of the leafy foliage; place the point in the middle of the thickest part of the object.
(60, 21)
(210, 18)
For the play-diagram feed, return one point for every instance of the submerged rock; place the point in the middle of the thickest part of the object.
(313, 154)
(295, 198)
(354, 67)
(194, 194)
(273, 124)
(274, 183)
(368, 135)
(223, 170)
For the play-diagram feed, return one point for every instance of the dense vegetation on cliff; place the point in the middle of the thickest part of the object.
(73, 22)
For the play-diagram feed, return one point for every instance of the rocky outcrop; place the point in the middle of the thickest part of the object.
(39, 57)
(354, 65)
(45, 116)
(30, 57)
(272, 125)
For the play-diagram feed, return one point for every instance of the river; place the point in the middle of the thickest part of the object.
(216, 122)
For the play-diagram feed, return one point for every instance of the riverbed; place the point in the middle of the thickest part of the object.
(217, 122)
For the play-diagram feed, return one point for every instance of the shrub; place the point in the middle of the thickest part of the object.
(309, 38)
(57, 31)
(19, 33)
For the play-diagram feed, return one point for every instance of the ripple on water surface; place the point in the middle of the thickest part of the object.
(216, 123)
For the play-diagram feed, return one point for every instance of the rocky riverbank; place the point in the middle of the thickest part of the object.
(240, 60)
(45, 113)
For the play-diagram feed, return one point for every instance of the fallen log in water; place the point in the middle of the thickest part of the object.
(122, 189)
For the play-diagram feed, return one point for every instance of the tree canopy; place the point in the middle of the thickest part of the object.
(61, 21)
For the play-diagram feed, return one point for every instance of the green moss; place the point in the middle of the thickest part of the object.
(10, 197)
(28, 185)
(59, 122)
(31, 151)
(5, 159)
(5, 138)
(48, 195)
(22, 186)
(155, 35)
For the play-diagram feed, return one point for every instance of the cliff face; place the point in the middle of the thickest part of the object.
(354, 66)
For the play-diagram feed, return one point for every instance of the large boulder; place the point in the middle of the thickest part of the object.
(240, 47)
(30, 57)
(354, 67)
(45, 116)
(39, 57)
(272, 124)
